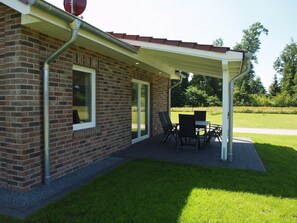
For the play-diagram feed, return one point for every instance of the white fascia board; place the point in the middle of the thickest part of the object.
(229, 55)
(17, 5)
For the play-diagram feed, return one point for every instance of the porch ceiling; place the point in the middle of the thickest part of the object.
(193, 64)
(196, 61)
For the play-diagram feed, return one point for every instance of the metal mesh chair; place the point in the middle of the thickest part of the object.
(169, 129)
(215, 131)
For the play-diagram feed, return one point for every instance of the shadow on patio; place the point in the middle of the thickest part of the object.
(245, 155)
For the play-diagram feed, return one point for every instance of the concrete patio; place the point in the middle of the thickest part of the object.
(245, 155)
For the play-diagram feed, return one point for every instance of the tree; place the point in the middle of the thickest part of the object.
(286, 66)
(178, 93)
(250, 42)
(195, 97)
(257, 86)
(210, 85)
(274, 88)
(218, 42)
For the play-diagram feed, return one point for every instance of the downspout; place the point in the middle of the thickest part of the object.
(246, 62)
(75, 25)
(181, 77)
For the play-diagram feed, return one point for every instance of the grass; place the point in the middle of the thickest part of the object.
(150, 191)
(259, 120)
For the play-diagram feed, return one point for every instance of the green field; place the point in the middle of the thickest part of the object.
(251, 120)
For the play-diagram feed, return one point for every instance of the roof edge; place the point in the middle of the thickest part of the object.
(47, 7)
(178, 43)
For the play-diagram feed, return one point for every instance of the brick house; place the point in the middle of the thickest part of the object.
(104, 90)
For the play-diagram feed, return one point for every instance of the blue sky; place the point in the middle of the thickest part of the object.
(201, 21)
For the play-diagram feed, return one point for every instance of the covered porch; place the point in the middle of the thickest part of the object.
(245, 155)
(171, 56)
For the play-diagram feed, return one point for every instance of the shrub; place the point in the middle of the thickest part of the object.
(196, 97)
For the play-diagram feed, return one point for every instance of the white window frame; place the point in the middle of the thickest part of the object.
(140, 82)
(93, 99)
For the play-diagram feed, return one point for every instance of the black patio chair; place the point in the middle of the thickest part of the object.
(187, 131)
(168, 120)
(215, 131)
(169, 130)
(201, 116)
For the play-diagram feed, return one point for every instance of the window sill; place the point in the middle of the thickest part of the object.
(83, 133)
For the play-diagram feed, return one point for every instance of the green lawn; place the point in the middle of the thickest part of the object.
(150, 191)
(252, 120)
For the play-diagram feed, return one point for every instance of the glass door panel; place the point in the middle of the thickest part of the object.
(134, 110)
(140, 110)
(144, 110)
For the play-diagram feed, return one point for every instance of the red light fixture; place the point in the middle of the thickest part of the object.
(75, 7)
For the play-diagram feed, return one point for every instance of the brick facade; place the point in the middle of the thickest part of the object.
(22, 53)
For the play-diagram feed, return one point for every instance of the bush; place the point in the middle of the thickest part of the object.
(213, 101)
(284, 100)
(196, 97)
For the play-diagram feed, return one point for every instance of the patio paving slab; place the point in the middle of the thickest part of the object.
(245, 155)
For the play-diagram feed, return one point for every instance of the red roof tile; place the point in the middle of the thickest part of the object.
(179, 43)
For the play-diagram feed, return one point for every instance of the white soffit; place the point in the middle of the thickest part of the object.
(229, 55)
(17, 5)
(207, 63)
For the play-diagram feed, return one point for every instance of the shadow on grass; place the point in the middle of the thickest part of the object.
(154, 191)
(279, 180)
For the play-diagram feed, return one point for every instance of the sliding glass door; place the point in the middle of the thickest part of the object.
(140, 110)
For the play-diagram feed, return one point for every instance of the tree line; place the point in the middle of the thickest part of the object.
(197, 90)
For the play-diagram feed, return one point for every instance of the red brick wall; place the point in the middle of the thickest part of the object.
(20, 105)
(21, 119)
(2, 98)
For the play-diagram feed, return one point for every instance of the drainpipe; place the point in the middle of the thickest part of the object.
(75, 25)
(246, 61)
(181, 77)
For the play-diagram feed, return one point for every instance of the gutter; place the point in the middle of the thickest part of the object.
(181, 77)
(245, 61)
(69, 18)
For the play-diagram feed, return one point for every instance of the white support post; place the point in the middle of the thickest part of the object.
(225, 117)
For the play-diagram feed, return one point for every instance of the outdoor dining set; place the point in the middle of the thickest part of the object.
(190, 130)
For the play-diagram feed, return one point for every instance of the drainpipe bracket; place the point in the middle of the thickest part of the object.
(75, 24)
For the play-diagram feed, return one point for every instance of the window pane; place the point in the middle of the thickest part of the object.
(82, 103)
(134, 110)
(144, 110)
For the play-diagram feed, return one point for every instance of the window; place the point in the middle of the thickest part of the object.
(84, 103)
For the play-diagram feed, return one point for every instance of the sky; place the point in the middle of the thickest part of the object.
(201, 21)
